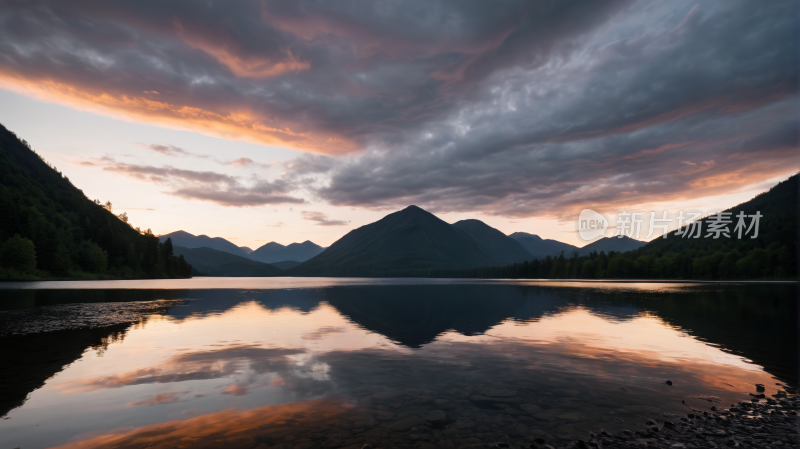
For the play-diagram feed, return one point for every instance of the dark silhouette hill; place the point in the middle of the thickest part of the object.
(540, 248)
(187, 240)
(246, 249)
(415, 315)
(62, 233)
(608, 244)
(400, 243)
(772, 255)
(286, 264)
(494, 243)
(212, 262)
(275, 252)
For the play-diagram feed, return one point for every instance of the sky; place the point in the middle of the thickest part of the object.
(263, 121)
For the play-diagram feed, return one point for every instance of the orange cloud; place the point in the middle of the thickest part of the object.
(229, 428)
(246, 67)
(236, 390)
(241, 124)
(196, 365)
(160, 398)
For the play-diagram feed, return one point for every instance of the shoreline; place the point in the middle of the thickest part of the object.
(4, 283)
(771, 424)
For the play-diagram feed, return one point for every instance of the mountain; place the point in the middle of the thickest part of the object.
(48, 228)
(275, 252)
(402, 243)
(771, 255)
(286, 264)
(212, 262)
(246, 249)
(186, 240)
(494, 243)
(541, 248)
(617, 244)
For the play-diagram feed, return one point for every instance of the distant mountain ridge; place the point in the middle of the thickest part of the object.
(494, 243)
(275, 252)
(212, 262)
(187, 240)
(540, 248)
(401, 243)
(617, 244)
(269, 253)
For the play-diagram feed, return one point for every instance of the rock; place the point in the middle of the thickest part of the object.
(481, 398)
(402, 425)
(760, 387)
(464, 423)
(669, 382)
(530, 408)
(498, 392)
(386, 395)
(366, 446)
(384, 416)
(436, 416)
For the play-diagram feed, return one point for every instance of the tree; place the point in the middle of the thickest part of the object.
(92, 257)
(18, 253)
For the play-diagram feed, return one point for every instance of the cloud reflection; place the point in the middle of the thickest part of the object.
(195, 365)
(229, 428)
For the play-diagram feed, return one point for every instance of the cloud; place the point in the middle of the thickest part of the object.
(519, 109)
(195, 365)
(214, 187)
(322, 219)
(322, 332)
(225, 426)
(159, 398)
(244, 162)
(236, 390)
(241, 162)
(276, 225)
(167, 150)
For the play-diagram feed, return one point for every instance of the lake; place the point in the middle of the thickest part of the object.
(314, 362)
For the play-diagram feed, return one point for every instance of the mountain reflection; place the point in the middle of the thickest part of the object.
(580, 356)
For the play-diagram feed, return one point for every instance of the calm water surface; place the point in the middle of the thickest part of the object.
(282, 362)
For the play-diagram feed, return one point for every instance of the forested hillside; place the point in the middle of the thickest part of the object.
(771, 255)
(49, 229)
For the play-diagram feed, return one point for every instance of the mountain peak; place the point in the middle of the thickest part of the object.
(517, 235)
(174, 234)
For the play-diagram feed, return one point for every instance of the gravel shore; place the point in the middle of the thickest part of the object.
(761, 423)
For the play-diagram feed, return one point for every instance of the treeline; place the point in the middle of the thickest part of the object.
(712, 264)
(48, 228)
(772, 255)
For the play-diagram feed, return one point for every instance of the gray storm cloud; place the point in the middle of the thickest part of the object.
(214, 187)
(514, 108)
